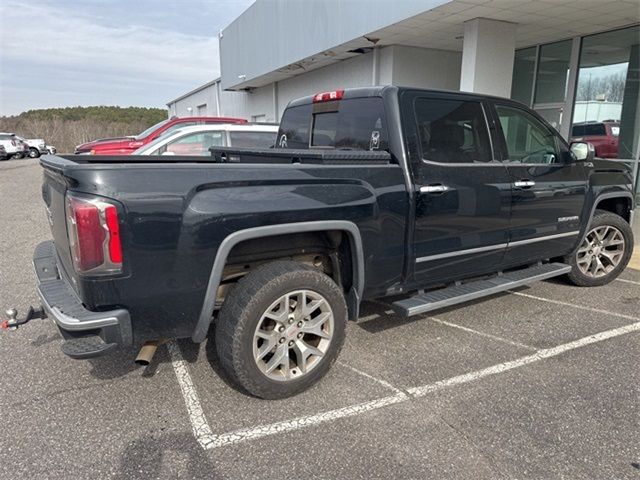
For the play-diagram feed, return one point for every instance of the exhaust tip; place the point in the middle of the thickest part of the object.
(147, 351)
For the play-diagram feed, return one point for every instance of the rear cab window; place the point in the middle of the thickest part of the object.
(588, 130)
(346, 124)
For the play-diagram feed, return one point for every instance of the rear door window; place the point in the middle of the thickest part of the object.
(252, 139)
(349, 124)
(452, 131)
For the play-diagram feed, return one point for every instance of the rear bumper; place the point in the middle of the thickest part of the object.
(74, 321)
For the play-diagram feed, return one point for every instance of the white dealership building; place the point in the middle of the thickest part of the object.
(571, 60)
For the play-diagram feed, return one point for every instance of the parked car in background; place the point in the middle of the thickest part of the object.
(602, 135)
(3, 153)
(127, 145)
(14, 146)
(198, 139)
(37, 147)
(23, 147)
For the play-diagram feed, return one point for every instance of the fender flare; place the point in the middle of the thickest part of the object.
(594, 207)
(215, 277)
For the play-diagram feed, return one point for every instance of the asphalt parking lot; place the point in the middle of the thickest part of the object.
(538, 383)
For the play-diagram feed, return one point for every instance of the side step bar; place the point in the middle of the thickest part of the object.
(446, 297)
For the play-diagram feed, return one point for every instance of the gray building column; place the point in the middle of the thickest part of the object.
(487, 56)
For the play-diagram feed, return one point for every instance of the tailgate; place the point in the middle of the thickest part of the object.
(54, 187)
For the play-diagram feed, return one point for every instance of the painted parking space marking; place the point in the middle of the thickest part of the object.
(484, 334)
(201, 429)
(382, 382)
(581, 307)
(208, 440)
(624, 280)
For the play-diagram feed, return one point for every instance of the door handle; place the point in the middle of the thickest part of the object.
(524, 183)
(435, 188)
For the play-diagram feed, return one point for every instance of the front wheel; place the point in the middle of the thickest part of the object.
(604, 253)
(34, 153)
(280, 329)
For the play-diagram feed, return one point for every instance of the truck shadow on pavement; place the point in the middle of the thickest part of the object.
(165, 455)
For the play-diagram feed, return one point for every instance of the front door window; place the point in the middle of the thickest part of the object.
(527, 139)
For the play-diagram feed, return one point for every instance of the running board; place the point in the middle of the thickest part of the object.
(446, 297)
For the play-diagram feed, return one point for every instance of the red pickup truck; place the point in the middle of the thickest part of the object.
(602, 135)
(127, 145)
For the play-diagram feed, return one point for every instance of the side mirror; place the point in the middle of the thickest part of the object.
(583, 151)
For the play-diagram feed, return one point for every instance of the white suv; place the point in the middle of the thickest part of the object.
(14, 145)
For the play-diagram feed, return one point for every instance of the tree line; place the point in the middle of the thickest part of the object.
(67, 127)
(610, 87)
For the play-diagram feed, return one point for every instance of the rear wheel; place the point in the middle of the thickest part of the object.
(604, 252)
(18, 156)
(280, 329)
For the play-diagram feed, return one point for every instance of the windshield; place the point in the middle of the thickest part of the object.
(151, 147)
(182, 142)
(148, 131)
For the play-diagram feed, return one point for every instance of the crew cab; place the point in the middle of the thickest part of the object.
(423, 199)
(127, 145)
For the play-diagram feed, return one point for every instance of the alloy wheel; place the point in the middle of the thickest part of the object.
(601, 251)
(293, 335)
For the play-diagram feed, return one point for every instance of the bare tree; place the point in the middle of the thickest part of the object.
(610, 87)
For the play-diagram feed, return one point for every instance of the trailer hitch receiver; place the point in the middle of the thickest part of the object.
(13, 322)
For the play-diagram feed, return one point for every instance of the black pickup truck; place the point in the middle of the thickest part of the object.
(431, 198)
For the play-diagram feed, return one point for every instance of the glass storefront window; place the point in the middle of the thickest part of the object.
(606, 100)
(523, 70)
(607, 105)
(553, 72)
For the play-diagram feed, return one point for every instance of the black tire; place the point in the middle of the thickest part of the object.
(602, 218)
(244, 307)
(34, 153)
(17, 156)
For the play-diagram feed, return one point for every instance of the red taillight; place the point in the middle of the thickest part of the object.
(111, 218)
(328, 96)
(94, 236)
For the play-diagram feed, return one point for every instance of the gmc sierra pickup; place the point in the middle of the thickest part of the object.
(433, 198)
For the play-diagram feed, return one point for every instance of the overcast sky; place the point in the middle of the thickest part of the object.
(61, 53)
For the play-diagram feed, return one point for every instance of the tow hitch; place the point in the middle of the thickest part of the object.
(13, 322)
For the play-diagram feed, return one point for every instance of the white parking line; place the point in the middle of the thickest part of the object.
(534, 357)
(382, 382)
(624, 280)
(581, 307)
(208, 440)
(483, 334)
(199, 423)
